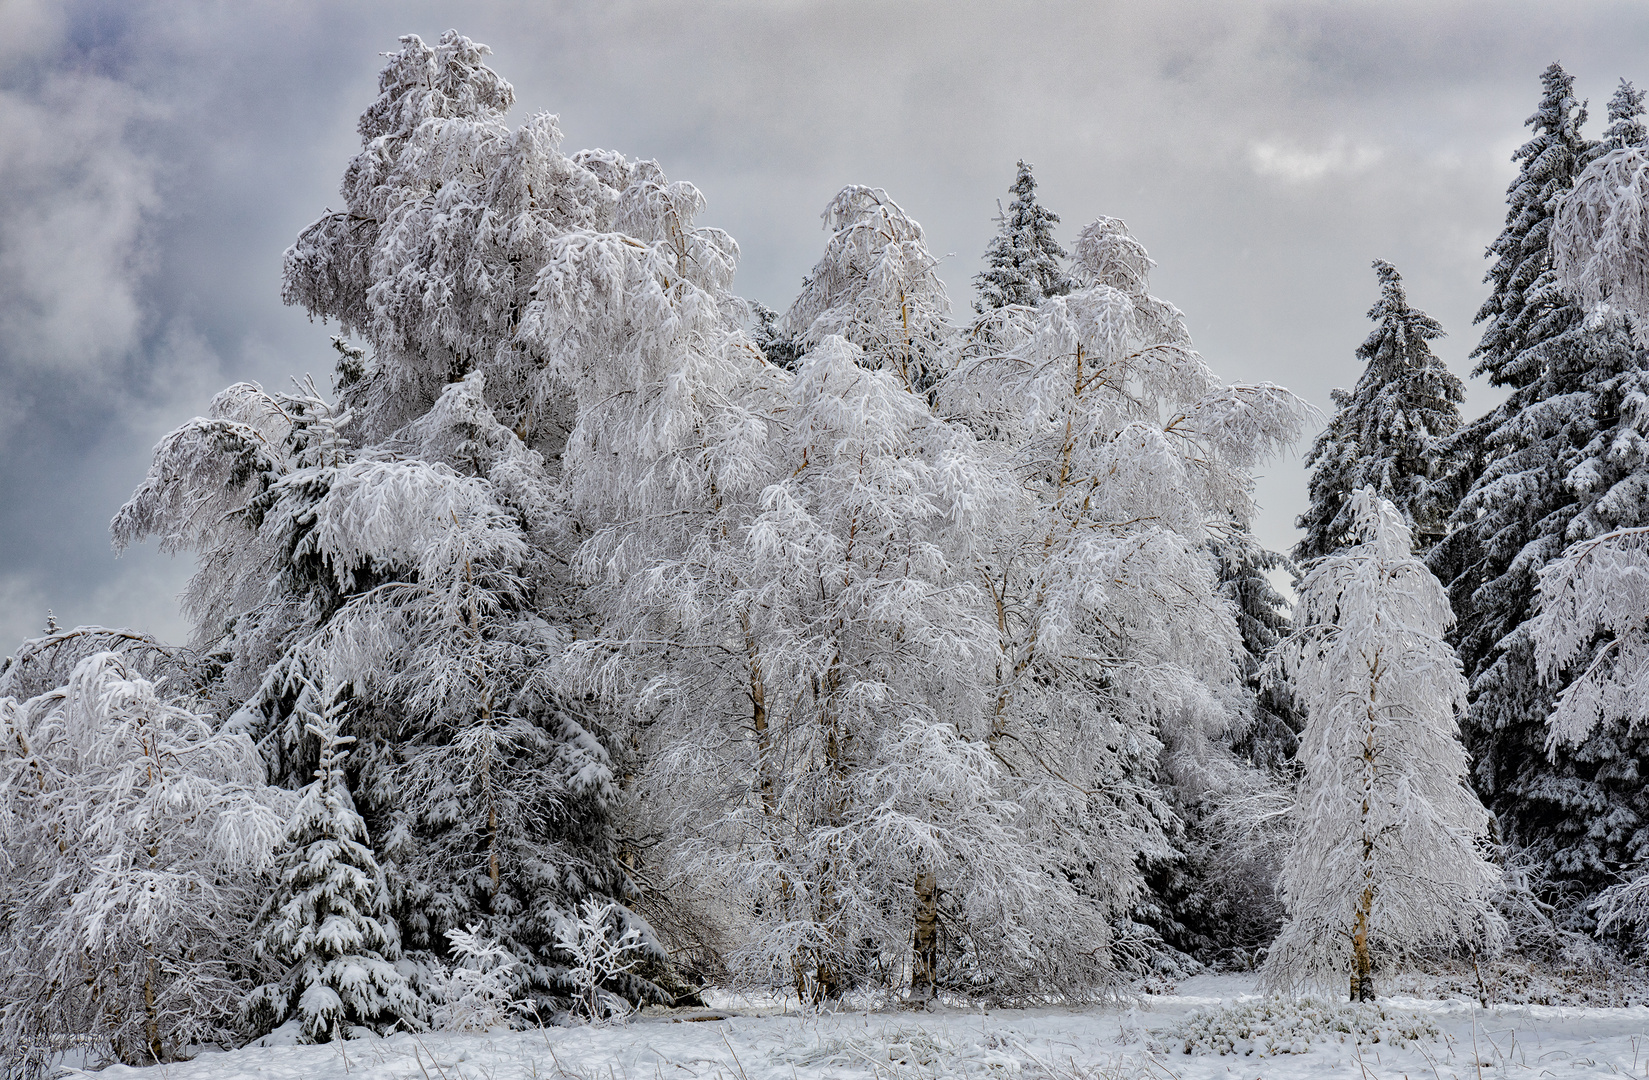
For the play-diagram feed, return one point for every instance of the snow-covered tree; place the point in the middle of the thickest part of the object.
(876, 285)
(1543, 464)
(1024, 263)
(1611, 480)
(326, 924)
(1519, 311)
(407, 544)
(1387, 432)
(1600, 238)
(1389, 850)
(446, 226)
(135, 837)
(872, 642)
(1115, 651)
(1599, 586)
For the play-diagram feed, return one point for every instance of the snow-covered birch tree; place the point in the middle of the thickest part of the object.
(878, 286)
(1389, 852)
(135, 838)
(1115, 654)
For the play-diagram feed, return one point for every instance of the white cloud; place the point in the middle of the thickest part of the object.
(1294, 165)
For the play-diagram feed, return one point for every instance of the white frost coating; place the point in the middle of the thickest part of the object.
(1389, 847)
(876, 285)
(133, 838)
(1600, 239)
(409, 544)
(448, 215)
(326, 924)
(1114, 651)
(1598, 586)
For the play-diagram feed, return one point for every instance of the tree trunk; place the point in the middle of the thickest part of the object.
(1362, 979)
(924, 979)
(151, 1018)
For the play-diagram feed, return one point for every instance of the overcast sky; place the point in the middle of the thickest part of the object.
(156, 158)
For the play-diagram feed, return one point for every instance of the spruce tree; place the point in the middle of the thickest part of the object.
(1023, 259)
(327, 923)
(1545, 463)
(1626, 126)
(1263, 621)
(1387, 429)
(1522, 311)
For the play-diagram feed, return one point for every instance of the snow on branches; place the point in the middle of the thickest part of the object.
(876, 285)
(1598, 587)
(1388, 854)
(326, 923)
(134, 834)
(879, 658)
(1600, 241)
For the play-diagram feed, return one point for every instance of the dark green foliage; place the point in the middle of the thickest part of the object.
(1388, 430)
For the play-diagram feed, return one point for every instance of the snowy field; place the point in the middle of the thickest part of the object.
(1405, 1037)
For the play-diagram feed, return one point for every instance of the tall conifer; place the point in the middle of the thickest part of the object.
(1540, 468)
(1388, 428)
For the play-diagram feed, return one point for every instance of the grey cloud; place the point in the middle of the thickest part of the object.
(73, 199)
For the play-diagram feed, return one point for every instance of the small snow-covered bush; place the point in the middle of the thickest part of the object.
(478, 993)
(1290, 1026)
(600, 952)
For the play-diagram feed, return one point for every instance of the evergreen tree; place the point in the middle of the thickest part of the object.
(1597, 590)
(327, 922)
(1023, 259)
(1269, 740)
(1387, 431)
(1388, 855)
(1611, 480)
(1552, 468)
(1523, 311)
(1626, 127)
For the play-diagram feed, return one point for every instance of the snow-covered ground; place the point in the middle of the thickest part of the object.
(1457, 1041)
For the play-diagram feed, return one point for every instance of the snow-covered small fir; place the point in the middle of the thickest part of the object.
(1389, 851)
(1388, 430)
(1024, 264)
(327, 921)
